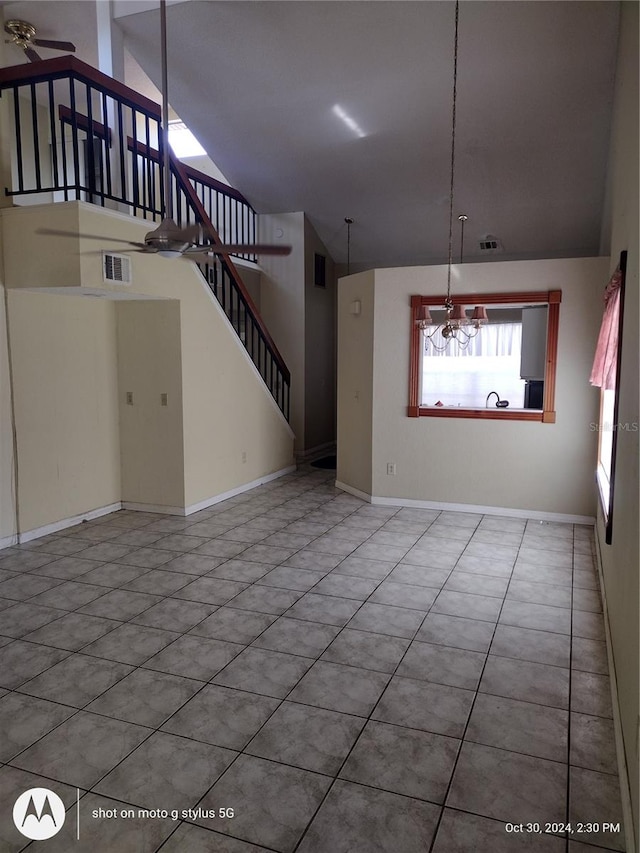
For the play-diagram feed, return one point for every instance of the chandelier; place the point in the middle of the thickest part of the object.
(457, 326)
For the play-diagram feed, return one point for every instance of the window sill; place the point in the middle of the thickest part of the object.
(535, 415)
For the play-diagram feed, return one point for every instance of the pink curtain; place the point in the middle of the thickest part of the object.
(603, 373)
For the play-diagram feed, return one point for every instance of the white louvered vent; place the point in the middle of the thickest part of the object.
(490, 245)
(116, 268)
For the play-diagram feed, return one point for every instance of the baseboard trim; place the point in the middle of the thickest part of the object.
(508, 512)
(207, 502)
(8, 541)
(55, 526)
(318, 451)
(216, 499)
(352, 491)
(625, 788)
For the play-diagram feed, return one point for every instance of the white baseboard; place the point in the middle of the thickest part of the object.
(207, 502)
(55, 526)
(353, 491)
(315, 452)
(625, 788)
(8, 541)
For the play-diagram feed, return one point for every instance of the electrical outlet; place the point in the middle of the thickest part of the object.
(164, 399)
(129, 398)
(391, 469)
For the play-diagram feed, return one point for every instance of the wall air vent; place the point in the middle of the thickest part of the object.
(116, 268)
(490, 245)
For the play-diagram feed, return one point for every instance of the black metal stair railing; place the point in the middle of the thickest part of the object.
(79, 135)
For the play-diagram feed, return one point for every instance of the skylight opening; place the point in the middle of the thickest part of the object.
(350, 122)
(183, 142)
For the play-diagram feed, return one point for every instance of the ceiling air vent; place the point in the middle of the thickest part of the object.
(490, 245)
(116, 268)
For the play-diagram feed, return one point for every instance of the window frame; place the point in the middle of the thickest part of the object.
(546, 415)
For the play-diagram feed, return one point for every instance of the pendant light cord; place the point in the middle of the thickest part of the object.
(165, 112)
(453, 151)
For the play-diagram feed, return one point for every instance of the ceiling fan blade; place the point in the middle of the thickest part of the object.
(32, 55)
(52, 232)
(239, 249)
(56, 45)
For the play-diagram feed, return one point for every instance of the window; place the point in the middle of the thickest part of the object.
(513, 356)
(605, 375)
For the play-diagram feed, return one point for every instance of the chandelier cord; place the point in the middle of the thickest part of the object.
(453, 151)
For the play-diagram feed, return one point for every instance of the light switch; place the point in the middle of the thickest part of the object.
(164, 399)
(129, 398)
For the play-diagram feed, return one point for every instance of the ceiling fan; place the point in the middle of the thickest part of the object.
(170, 240)
(23, 35)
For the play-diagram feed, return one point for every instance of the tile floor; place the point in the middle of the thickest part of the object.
(343, 677)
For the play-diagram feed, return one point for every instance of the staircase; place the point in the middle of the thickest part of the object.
(77, 134)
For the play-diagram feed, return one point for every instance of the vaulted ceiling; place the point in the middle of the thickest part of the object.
(263, 85)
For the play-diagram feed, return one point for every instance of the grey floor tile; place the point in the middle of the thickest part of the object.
(265, 672)
(236, 626)
(266, 599)
(403, 761)
(589, 655)
(530, 573)
(360, 567)
(366, 650)
(476, 584)
(288, 540)
(132, 644)
(593, 743)
(539, 593)
(419, 575)
(222, 716)
(174, 615)
(210, 590)
(484, 566)
(587, 599)
(314, 561)
(180, 542)
(196, 839)
(288, 577)
(309, 639)
(311, 738)
(120, 604)
(22, 618)
(267, 554)
(467, 833)
(66, 568)
(519, 727)
(443, 665)
(72, 631)
(431, 558)
(24, 561)
(508, 786)
(594, 798)
(540, 617)
(146, 698)
(221, 548)
(20, 661)
(167, 772)
(76, 680)
(23, 720)
(346, 586)
(404, 595)
(112, 575)
(530, 682)
(159, 582)
(588, 625)
(82, 749)
(482, 607)
(422, 705)
(591, 694)
(191, 564)
(240, 570)
(276, 802)
(22, 587)
(69, 595)
(531, 645)
(340, 688)
(456, 632)
(62, 546)
(541, 557)
(194, 657)
(385, 619)
(107, 552)
(148, 558)
(326, 609)
(355, 819)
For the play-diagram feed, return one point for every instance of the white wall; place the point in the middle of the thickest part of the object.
(501, 464)
(620, 560)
